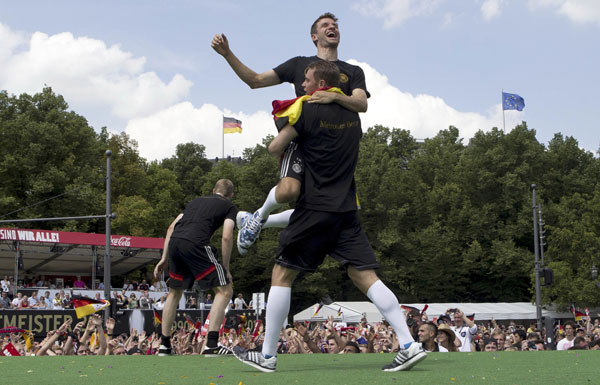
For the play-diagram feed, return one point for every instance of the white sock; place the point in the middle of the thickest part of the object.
(279, 220)
(388, 305)
(278, 307)
(270, 204)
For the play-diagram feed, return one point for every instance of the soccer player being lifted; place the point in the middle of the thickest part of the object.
(325, 35)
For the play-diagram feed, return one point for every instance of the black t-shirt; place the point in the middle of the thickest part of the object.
(202, 217)
(292, 71)
(329, 137)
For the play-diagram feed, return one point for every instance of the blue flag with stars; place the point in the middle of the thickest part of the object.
(512, 102)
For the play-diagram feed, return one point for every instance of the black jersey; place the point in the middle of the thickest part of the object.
(202, 217)
(292, 71)
(329, 136)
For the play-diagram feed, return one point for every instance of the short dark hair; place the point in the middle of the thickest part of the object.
(433, 327)
(490, 341)
(571, 324)
(325, 70)
(521, 333)
(326, 15)
(354, 345)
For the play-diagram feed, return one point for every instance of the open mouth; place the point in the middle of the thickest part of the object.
(331, 34)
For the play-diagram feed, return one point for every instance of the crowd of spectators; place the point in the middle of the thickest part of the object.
(8, 285)
(449, 332)
(442, 334)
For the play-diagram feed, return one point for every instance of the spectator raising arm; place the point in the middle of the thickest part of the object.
(62, 330)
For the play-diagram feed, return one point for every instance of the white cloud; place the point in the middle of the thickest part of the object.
(423, 115)
(159, 134)
(490, 9)
(578, 11)
(395, 12)
(97, 79)
(9, 40)
(86, 72)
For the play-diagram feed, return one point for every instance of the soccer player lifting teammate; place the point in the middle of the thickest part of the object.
(325, 221)
(325, 35)
(191, 258)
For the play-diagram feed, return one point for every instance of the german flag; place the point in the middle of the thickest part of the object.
(318, 309)
(579, 315)
(231, 125)
(189, 320)
(85, 306)
(157, 318)
(288, 111)
(471, 317)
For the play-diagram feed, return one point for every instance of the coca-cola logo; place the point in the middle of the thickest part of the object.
(122, 241)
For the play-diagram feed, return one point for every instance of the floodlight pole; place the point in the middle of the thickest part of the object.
(107, 285)
(536, 250)
(17, 256)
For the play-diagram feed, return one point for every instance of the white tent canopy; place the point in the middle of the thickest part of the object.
(483, 311)
(339, 313)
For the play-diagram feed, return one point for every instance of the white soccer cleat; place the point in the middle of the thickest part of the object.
(406, 358)
(255, 359)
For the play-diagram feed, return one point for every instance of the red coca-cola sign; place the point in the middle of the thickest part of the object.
(120, 241)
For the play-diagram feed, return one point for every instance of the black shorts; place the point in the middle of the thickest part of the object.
(292, 163)
(189, 263)
(311, 235)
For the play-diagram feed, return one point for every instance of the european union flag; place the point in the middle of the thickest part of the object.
(512, 102)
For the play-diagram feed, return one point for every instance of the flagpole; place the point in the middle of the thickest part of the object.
(502, 106)
(222, 138)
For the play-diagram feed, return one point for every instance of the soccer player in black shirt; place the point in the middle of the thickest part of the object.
(191, 258)
(326, 37)
(325, 222)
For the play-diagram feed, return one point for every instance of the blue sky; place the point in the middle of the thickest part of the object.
(146, 67)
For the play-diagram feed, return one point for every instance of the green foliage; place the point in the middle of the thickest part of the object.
(448, 221)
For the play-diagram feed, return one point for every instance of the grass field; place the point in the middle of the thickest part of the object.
(573, 367)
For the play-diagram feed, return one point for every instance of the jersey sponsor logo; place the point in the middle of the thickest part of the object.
(343, 78)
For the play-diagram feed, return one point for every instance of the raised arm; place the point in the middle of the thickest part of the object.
(253, 79)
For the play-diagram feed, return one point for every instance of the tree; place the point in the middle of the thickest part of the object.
(50, 161)
(189, 165)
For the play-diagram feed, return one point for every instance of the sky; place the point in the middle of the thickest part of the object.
(146, 68)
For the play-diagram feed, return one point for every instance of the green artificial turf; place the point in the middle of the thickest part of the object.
(552, 367)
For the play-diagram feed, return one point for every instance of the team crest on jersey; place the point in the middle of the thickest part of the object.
(297, 168)
(343, 78)
(463, 334)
